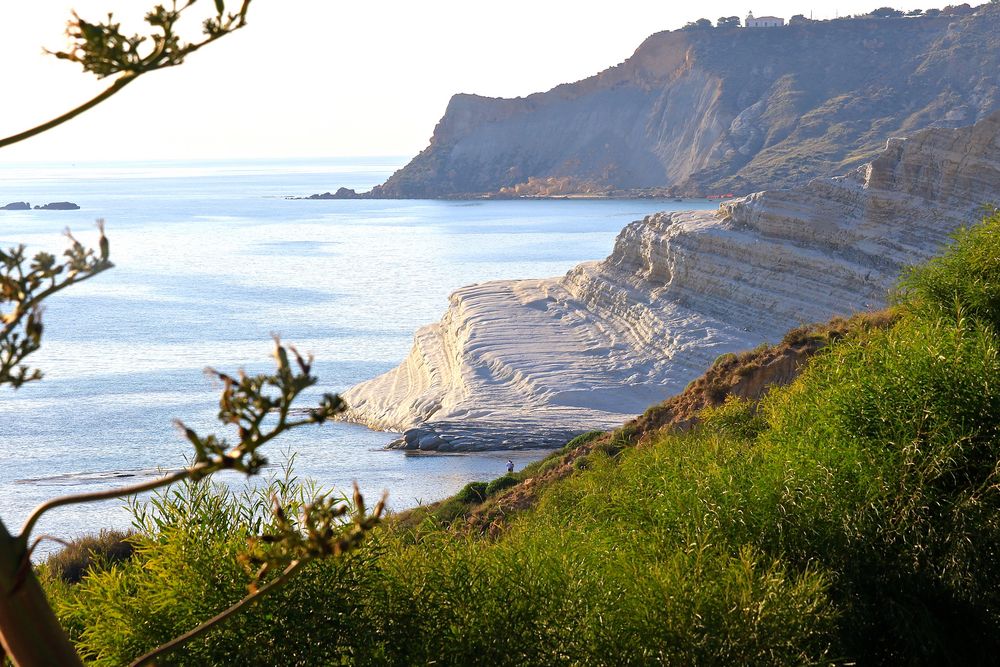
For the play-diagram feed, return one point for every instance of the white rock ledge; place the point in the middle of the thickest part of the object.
(530, 363)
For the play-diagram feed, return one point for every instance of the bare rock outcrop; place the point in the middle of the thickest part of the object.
(530, 362)
(58, 206)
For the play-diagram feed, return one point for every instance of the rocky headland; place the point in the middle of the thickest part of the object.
(714, 111)
(531, 362)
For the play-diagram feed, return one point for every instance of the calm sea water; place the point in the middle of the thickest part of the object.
(210, 260)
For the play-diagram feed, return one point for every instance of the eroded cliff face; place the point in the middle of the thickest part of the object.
(721, 110)
(530, 362)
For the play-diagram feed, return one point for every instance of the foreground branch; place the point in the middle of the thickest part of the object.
(109, 494)
(319, 532)
(103, 50)
(221, 617)
(69, 115)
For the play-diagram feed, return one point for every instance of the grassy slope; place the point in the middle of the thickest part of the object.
(853, 515)
(748, 375)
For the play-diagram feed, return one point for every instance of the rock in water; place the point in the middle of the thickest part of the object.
(341, 193)
(16, 206)
(58, 206)
(522, 363)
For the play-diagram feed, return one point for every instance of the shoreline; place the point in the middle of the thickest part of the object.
(624, 195)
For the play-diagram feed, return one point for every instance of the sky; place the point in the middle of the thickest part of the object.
(325, 78)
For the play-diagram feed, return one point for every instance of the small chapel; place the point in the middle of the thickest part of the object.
(763, 21)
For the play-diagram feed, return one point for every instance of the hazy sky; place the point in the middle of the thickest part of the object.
(325, 78)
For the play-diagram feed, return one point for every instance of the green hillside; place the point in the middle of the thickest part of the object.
(852, 516)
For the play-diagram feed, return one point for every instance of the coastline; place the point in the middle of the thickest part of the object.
(618, 195)
(602, 343)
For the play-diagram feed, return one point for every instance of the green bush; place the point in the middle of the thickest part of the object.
(724, 359)
(501, 483)
(541, 467)
(581, 440)
(854, 516)
(965, 280)
(185, 569)
(737, 417)
(888, 473)
(473, 492)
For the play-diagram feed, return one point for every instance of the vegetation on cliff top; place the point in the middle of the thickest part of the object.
(850, 516)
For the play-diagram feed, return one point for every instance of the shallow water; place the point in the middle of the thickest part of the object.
(210, 260)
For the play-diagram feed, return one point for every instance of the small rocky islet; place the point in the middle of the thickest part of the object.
(51, 206)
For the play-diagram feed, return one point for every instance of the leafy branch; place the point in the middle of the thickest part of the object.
(246, 402)
(104, 50)
(319, 532)
(23, 287)
(258, 407)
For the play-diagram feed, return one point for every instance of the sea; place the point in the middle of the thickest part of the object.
(211, 259)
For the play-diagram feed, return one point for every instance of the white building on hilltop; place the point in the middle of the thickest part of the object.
(764, 21)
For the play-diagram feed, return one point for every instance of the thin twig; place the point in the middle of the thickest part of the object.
(159, 59)
(221, 617)
(118, 492)
(42, 538)
(119, 83)
(25, 307)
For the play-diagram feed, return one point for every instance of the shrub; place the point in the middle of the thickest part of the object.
(501, 483)
(964, 281)
(885, 460)
(179, 575)
(580, 440)
(724, 359)
(613, 446)
(473, 492)
(543, 466)
(107, 548)
(736, 417)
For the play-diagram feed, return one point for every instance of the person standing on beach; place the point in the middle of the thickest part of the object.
(510, 466)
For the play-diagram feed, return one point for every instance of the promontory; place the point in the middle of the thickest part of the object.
(523, 363)
(719, 110)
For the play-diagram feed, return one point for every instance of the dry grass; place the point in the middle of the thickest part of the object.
(72, 562)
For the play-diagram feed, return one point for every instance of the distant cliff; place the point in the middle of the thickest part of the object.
(530, 362)
(719, 110)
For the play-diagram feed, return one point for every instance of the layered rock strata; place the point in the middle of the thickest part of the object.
(531, 362)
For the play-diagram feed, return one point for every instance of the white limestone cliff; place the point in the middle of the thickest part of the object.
(531, 362)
